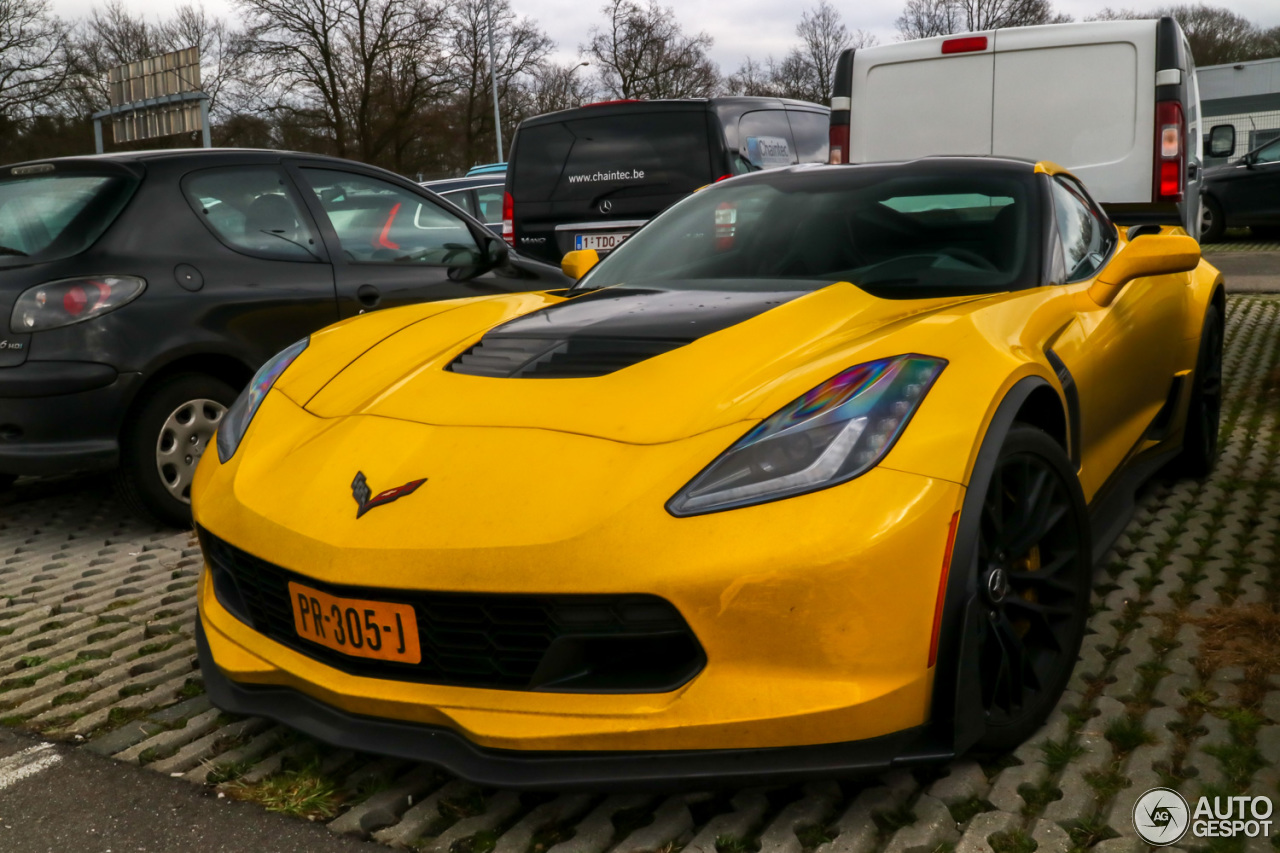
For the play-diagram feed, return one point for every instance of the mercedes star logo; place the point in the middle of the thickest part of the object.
(606, 206)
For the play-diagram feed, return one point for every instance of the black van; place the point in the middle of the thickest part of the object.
(587, 178)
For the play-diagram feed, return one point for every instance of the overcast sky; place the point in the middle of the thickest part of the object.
(740, 27)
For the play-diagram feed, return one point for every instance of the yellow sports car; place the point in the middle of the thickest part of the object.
(808, 476)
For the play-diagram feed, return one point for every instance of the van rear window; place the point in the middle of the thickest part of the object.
(652, 153)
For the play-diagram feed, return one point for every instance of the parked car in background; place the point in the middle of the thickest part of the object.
(479, 193)
(587, 178)
(139, 292)
(1114, 101)
(1246, 192)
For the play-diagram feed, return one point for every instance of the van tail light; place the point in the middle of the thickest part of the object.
(508, 219)
(726, 225)
(967, 44)
(1171, 151)
(839, 139)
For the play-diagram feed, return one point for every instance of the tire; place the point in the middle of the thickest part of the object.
(1200, 437)
(181, 412)
(1032, 566)
(1212, 221)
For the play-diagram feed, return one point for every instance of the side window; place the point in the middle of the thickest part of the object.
(1270, 154)
(379, 222)
(764, 142)
(252, 210)
(1087, 238)
(490, 203)
(462, 198)
(812, 132)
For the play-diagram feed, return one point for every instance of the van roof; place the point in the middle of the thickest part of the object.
(734, 104)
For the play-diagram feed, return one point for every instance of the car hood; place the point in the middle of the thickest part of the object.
(630, 365)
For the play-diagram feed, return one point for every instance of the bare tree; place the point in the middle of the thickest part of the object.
(222, 49)
(520, 50)
(807, 72)
(553, 86)
(926, 18)
(356, 70)
(33, 56)
(642, 52)
(1216, 34)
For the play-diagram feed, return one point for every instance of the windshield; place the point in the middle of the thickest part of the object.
(900, 231)
(49, 216)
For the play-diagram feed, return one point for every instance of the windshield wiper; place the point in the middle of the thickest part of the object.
(5, 250)
(288, 240)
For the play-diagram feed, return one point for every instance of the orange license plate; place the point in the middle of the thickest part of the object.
(353, 626)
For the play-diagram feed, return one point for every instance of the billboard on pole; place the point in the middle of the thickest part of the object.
(147, 96)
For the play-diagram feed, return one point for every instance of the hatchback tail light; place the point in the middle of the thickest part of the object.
(508, 219)
(72, 300)
(1170, 152)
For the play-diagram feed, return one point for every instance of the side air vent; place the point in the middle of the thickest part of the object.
(562, 358)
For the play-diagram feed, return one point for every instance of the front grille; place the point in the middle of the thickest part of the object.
(557, 358)
(588, 643)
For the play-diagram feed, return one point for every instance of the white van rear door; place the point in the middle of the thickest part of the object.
(911, 100)
(1083, 96)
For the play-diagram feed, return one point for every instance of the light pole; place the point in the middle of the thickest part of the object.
(493, 78)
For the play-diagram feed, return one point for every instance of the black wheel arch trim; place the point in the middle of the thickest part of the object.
(956, 710)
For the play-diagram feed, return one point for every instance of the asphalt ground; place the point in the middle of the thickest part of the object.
(1178, 685)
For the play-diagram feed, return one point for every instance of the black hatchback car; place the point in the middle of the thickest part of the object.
(139, 292)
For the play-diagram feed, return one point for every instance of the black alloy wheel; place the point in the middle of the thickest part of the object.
(1204, 412)
(1032, 571)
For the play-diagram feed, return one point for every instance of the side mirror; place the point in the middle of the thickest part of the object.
(1222, 140)
(1148, 255)
(496, 252)
(578, 263)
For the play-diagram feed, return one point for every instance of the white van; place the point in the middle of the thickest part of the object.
(1116, 102)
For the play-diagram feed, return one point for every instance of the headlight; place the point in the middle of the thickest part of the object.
(832, 434)
(236, 420)
(72, 300)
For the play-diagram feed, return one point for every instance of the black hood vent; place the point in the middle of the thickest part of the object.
(606, 330)
(566, 358)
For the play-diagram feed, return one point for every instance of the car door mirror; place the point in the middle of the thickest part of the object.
(1222, 140)
(578, 263)
(496, 252)
(1147, 255)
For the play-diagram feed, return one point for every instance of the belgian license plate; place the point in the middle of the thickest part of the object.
(353, 626)
(599, 242)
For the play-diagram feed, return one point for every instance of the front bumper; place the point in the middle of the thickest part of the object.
(62, 417)
(563, 770)
(815, 613)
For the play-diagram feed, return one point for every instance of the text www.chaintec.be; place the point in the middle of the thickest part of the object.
(629, 175)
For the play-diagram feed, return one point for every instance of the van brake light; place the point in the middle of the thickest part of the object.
(508, 217)
(968, 44)
(1170, 153)
(838, 137)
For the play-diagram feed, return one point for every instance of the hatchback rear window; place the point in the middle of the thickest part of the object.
(651, 153)
(56, 215)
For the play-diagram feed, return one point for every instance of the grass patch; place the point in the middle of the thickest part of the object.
(93, 654)
(732, 844)
(228, 771)
(120, 716)
(892, 821)
(70, 697)
(1247, 636)
(135, 690)
(304, 792)
(964, 811)
(28, 661)
(482, 842)
(1106, 783)
(1058, 755)
(124, 602)
(458, 808)
(1037, 797)
(1089, 831)
(814, 836)
(1127, 734)
(191, 688)
(152, 648)
(14, 720)
(1013, 841)
(1239, 762)
(78, 676)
